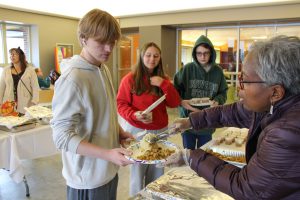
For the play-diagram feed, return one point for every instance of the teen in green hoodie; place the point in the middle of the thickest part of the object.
(198, 79)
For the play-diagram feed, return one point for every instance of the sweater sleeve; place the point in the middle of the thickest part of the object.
(222, 116)
(124, 99)
(172, 97)
(67, 113)
(221, 96)
(272, 172)
(178, 83)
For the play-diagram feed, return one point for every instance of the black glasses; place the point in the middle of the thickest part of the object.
(205, 54)
(241, 81)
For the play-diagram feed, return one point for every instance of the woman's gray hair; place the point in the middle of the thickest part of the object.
(278, 61)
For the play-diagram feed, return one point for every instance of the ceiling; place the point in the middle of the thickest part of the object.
(120, 8)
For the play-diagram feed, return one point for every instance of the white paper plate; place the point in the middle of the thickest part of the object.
(134, 148)
(209, 145)
(197, 102)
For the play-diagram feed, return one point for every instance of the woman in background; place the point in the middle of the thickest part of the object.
(43, 83)
(138, 90)
(19, 82)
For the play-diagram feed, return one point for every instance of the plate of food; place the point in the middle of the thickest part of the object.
(201, 101)
(146, 153)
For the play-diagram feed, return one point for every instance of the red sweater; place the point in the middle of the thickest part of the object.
(128, 103)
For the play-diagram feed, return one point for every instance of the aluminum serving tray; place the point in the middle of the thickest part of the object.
(19, 128)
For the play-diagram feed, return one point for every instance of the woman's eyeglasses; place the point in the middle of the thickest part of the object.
(241, 81)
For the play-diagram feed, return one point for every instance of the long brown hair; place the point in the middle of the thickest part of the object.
(22, 58)
(142, 76)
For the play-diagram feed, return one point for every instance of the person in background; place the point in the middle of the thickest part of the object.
(198, 79)
(43, 83)
(270, 107)
(53, 76)
(137, 91)
(19, 82)
(85, 121)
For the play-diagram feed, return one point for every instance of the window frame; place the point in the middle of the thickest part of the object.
(3, 37)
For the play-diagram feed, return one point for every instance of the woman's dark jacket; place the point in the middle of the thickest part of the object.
(272, 151)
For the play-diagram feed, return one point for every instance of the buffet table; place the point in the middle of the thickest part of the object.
(28, 144)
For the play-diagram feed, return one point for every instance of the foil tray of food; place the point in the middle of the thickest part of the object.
(229, 146)
(18, 128)
(180, 184)
(13, 121)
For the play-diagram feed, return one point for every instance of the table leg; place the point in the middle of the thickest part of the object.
(26, 186)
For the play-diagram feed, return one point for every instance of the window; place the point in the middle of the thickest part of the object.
(188, 40)
(224, 40)
(14, 36)
(1, 45)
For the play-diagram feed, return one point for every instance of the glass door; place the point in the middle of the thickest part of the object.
(125, 58)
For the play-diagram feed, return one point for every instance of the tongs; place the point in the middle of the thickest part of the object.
(162, 135)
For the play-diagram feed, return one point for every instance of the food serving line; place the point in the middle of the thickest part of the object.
(182, 182)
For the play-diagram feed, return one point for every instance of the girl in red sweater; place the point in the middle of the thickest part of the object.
(137, 91)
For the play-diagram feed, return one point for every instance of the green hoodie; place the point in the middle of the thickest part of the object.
(194, 82)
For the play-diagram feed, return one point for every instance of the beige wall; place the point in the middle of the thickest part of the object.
(238, 14)
(50, 29)
(168, 48)
(165, 38)
(150, 34)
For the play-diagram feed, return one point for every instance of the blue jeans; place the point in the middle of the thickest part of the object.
(193, 140)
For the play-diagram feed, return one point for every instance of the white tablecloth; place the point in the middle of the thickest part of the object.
(4, 150)
(29, 144)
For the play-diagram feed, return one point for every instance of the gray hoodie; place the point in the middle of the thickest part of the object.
(84, 108)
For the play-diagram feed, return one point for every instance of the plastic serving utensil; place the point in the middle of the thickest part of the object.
(156, 103)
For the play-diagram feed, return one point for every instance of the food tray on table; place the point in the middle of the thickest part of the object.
(41, 113)
(13, 121)
(230, 146)
(18, 128)
(182, 183)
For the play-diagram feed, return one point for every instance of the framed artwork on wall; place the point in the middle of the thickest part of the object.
(61, 52)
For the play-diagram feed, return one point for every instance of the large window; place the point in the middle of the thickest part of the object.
(2, 60)
(188, 40)
(14, 36)
(225, 44)
(232, 43)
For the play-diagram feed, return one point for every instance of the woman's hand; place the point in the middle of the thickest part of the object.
(186, 105)
(180, 158)
(180, 125)
(214, 103)
(156, 81)
(145, 118)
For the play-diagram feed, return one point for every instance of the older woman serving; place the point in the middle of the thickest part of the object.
(270, 107)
